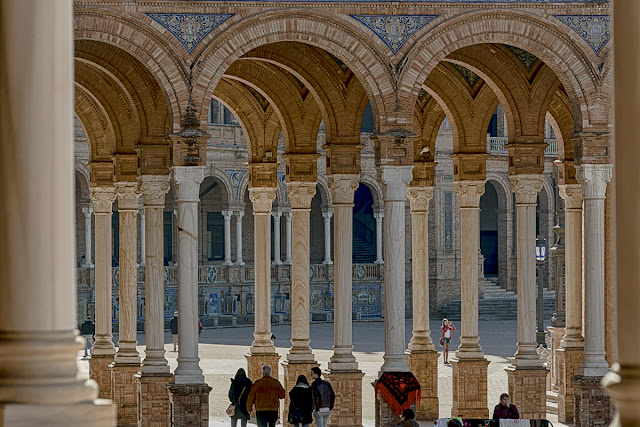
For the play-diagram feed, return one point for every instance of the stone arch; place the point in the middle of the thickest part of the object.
(242, 188)
(561, 119)
(503, 189)
(374, 186)
(83, 171)
(223, 178)
(325, 194)
(97, 125)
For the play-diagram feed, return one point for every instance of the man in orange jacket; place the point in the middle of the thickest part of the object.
(266, 394)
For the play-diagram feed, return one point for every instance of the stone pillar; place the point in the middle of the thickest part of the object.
(239, 215)
(87, 236)
(287, 217)
(103, 349)
(153, 399)
(227, 237)
(421, 356)
(142, 239)
(344, 374)
(327, 236)
(526, 374)
(40, 383)
(262, 349)
(379, 216)
(127, 360)
(395, 179)
(470, 367)
(276, 237)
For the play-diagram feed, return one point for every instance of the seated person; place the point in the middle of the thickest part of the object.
(505, 409)
(408, 419)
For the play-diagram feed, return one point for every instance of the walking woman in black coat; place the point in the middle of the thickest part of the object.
(238, 393)
(301, 406)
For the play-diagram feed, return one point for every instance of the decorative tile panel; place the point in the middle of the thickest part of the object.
(594, 29)
(394, 30)
(235, 176)
(527, 59)
(189, 28)
(470, 77)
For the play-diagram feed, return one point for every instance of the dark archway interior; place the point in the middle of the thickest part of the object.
(489, 229)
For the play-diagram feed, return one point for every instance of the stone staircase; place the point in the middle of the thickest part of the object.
(497, 304)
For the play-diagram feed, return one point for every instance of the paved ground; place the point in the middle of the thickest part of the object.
(222, 353)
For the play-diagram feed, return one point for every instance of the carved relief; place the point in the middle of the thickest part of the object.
(154, 188)
(395, 180)
(419, 198)
(128, 196)
(301, 194)
(594, 179)
(187, 181)
(572, 195)
(343, 187)
(469, 193)
(262, 199)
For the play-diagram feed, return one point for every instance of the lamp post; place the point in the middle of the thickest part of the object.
(541, 255)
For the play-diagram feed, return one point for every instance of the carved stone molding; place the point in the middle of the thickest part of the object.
(262, 199)
(187, 181)
(526, 187)
(343, 187)
(469, 193)
(102, 198)
(154, 188)
(300, 194)
(594, 179)
(419, 198)
(572, 195)
(128, 196)
(395, 179)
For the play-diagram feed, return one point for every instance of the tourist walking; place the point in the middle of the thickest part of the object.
(505, 410)
(323, 398)
(238, 395)
(446, 328)
(173, 327)
(265, 394)
(408, 418)
(87, 330)
(301, 404)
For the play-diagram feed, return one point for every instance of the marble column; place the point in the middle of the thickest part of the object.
(187, 181)
(288, 243)
(40, 382)
(395, 179)
(276, 237)
(87, 236)
(227, 237)
(327, 236)
(378, 216)
(142, 238)
(239, 215)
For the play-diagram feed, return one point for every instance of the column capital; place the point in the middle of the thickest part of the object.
(154, 188)
(343, 188)
(102, 198)
(327, 215)
(378, 215)
(301, 194)
(526, 187)
(594, 179)
(395, 179)
(419, 198)
(87, 211)
(572, 196)
(227, 214)
(276, 213)
(128, 196)
(239, 214)
(469, 193)
(262, 199)
(187, 181)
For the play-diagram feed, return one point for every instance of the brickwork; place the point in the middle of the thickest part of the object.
(291, 372)
(592, 405)
(100, 371)
(528, 391)
(424, 365)
(569, 359)
(385, 415)
(348, 407)
(154, 406)
(255, 362)
(189, 404)
(125, 392)
(470, 388)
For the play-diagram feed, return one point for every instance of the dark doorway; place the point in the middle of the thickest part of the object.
(364, 226)
(489, 229)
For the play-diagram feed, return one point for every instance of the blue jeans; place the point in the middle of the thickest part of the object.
(267, 418)
(321, 418)
(88, 344)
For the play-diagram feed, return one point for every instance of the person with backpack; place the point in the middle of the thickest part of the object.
(323, 398)
(301, 403)
(238, 394)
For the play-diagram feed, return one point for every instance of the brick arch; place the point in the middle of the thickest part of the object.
(223, 178)
(376, 188)
(427, 119)
(561, 120)
(323, 186)
(139, 40)
(503, 189)
(96, 123)
(324, 30)
(537, 35)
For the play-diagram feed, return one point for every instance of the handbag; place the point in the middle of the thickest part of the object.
(231, 410)
(441, 342)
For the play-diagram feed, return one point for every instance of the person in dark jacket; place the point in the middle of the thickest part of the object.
(408, 417)
(301, 405)
(238, 394)
(87, 330)
(505, 410)
(323, 398)
(173, 326)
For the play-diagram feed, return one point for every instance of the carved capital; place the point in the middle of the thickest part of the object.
(526, 188)
(594, 179)
(300, 194)
(343, 188)
(419, 198)
(227, 215)
(239, 215)
(262, 199)
(187, 181)
(327, 215)
(87, 212)
(469, 193)
(154, 188)
(128, 196)
(572, 196)
(102, 198)
(395, 179)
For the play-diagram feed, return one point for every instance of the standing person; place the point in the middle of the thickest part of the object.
(87, 330)
(446, 328)
(173, 327)
(301, 406)
(408, 417)
(505, 410)
(266, 394)
(323, 398)
(238, 395)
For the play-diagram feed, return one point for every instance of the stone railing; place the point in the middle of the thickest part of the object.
(495, 146)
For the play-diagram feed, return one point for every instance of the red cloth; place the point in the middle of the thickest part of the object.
(399, 389)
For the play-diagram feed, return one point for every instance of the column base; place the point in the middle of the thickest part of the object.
(154, 406)
(189, 404)
(528, 391)
(424, 365)
(125, 392)
(385, 416)
(291, 371)
(470, 388)
(255, 361)
(347, 386)
(100, 412)
(568, 359)
(100, 371)
(592, 406)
